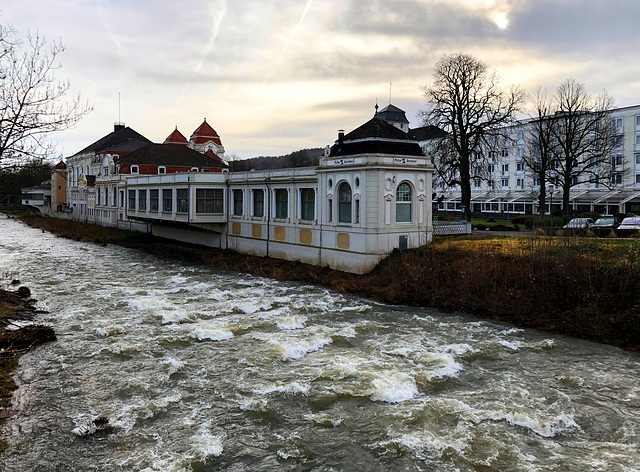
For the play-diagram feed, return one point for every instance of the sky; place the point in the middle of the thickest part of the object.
(276, 76)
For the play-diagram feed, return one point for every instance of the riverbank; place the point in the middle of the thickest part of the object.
(14, 306)
(580, 287)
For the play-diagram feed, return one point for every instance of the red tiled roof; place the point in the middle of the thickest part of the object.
(60, 165)
(205, 133)
(176, 137)
(212, 155)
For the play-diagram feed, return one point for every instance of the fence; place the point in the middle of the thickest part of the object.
(441, 228)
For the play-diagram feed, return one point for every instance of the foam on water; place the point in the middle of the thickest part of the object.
(289, 388)
(173, 316)
(205, 444)
(296, 348)
(393, 387)
(291, 322)
(211, 332)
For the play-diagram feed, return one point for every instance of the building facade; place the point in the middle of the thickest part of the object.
(509, 186)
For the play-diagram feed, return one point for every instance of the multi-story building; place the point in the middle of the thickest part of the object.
(97, 159)
(509, 186)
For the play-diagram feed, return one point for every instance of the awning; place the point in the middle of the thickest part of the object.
(532, 196)
(482, 195)
(606, 196)
(630, 197)
(499, 195)
(573, 197)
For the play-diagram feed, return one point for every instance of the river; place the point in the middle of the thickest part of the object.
(199, 369)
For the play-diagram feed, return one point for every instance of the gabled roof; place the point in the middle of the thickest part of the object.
(393, 114)
(376, 136)
(427, 132)
(124, 139)
(176, 137)
(205, 133)
(60, 165)
(170, 155)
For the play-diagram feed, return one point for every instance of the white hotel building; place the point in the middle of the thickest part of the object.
(513, 187)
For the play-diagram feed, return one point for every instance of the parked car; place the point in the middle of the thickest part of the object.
(606, 224)
(579, 223)
(629, 225)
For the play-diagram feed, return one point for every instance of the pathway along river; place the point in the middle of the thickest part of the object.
(201, 369)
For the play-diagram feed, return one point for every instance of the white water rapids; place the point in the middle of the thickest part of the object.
(199, 369)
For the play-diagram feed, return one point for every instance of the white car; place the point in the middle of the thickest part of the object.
(579, 223)
(631, 223)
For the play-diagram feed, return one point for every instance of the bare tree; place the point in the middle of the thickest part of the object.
(33, 103)
(583, 138)
(539, 141)
(468, 103)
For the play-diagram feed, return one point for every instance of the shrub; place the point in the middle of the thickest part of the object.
(522, 219)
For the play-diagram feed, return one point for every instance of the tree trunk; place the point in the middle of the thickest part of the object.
(465, 188)
(542, 198)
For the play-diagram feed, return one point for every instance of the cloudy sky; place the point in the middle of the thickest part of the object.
(276, 76)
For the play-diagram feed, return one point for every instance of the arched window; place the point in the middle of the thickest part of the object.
(403, 203)
(344, 203)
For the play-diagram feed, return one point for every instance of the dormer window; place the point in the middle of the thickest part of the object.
(134, 169)
(194, 169)
(162, 170)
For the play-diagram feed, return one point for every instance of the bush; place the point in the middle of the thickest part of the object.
(522, 219)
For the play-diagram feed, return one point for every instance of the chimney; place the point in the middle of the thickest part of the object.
(340, 137)
(117, 126)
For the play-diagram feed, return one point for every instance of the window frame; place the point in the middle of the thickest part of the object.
(209, 201)
(345, 201)
(307, 207)
(238, 203)
(167, 208)
(258, 204)
(404, 202)
(281, 204)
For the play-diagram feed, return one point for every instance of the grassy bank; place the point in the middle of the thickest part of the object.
(576, 286)
(16, 306)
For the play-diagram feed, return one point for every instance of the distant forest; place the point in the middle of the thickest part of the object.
(303, 158)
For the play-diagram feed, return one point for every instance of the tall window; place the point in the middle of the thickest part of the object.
(153, 199)
(403, 203)
(237, 202)
(142, 199)
(182, 200)
(308, 204)
(209, 200)
(344, 203)
(282, 203)
(167, 199)
(258, 203)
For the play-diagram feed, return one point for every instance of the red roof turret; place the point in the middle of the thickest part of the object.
(176, 137)
(205, 133)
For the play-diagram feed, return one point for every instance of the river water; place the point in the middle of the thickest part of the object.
(199, 369)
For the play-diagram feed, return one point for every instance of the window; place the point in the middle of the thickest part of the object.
(505, 153)
(637, 139)
(520, 136)
(519, 166)
(403, 203)
(357, 219)
(258, 203)
(167, 199)
(153, 199)
(616, 179)
(308, 204)
(637, 179)
(520, 184)
(477, 183)
(282, 203)
(237, 202)
(182, 200)
(122, 199)
(637, 159)
(637, 121)
(617, 141)
(536, 181)
(492, 156)
(344, 203)
(616, 160)
(209, 200)
(616, 123)
(134, 169)
(194, 169)
(98, 196)
(142, 199)
(491, 169)
(330, 209)
(505, 184)
(505, 169)
(162, 170)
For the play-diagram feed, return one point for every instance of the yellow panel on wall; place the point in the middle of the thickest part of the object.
(305, 236)
(256, 231)
(236, 228)
(278, 233)
(342, 240)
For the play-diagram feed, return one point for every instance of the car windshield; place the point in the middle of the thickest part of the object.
(605, 221)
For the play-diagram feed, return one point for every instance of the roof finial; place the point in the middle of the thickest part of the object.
(376, 114)
(205, 118)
